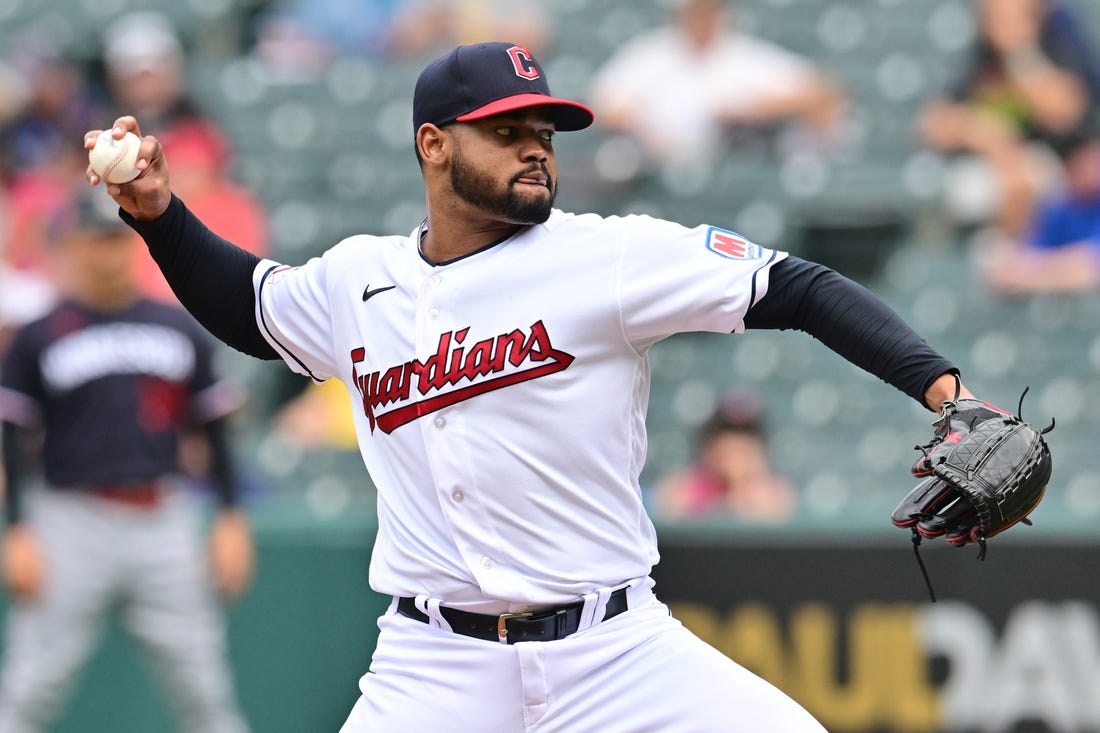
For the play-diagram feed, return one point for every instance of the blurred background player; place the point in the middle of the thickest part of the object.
(732, 475)
(1031, 76)
(108, 382)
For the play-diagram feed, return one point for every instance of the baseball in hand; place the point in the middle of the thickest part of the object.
(115, 161)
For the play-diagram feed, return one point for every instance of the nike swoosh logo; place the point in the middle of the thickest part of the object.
(368, 293)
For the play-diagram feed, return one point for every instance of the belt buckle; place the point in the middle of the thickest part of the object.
(502, 624)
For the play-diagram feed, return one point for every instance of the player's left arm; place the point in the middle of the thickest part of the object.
(213, 400)
(852, 321)
(232, 557)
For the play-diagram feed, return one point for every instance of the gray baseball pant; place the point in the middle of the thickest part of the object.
(149, 566)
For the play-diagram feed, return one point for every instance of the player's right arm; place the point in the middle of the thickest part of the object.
(21, 564)
(211, 277)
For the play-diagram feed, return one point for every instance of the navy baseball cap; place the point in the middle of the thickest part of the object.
(486, 79)
(97, 212)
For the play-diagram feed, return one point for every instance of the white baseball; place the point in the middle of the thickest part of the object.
(115, 161)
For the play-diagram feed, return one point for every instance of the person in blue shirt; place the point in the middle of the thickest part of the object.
(1032, 76)
(1060, 252)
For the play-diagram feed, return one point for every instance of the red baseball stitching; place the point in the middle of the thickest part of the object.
(123, 150)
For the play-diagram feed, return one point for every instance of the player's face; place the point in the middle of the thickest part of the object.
(505, 166)
(100, 263)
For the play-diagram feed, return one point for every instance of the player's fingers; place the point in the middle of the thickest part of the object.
(22, 568)
(124, 124)
(231, 554)
(27, 588)
(233, 585)
(233, 575)
(90, 137)
(89, 142)
(149, 153)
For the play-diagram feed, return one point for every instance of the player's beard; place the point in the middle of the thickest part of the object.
(483, 191)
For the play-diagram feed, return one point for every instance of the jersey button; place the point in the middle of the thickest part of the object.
(433, 314)
(434, 279)
(487, 562)
(440, 423)
(457, 495)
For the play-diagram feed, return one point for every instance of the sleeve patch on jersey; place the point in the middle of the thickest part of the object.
(732, 245)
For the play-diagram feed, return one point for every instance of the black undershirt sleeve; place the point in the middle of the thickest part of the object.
(851, 321)
(211, 277)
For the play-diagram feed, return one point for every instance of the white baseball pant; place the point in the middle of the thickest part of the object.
(639, 672)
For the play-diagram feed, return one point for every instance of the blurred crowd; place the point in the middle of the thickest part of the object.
(1016, 133)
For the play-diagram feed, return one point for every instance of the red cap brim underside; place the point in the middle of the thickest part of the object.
(567, 115)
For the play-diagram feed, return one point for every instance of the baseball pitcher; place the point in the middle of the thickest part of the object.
(496, 358)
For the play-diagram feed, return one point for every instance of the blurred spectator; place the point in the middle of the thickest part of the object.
(146, 72)
(95, 397)
(300, 38)
(13, 92)
(297, 39)
(1061, 251)
(681, 89)
(319, 417)
(1031, 76)
(432, 27)
(38, 158)
(147, 76)
(55, 102)
(732, 475)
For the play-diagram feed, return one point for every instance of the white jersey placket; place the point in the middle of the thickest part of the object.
(444, 435)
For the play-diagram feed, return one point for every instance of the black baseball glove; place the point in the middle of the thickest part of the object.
(984, 470)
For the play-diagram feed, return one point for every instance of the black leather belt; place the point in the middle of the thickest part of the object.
(510, 628)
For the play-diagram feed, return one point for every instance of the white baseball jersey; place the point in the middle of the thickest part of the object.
(500, 398)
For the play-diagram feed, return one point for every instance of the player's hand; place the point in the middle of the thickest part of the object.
(23, 568)
(232, 556)
(147, 196)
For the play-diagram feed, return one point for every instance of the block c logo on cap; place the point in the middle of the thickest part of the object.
(524, 63)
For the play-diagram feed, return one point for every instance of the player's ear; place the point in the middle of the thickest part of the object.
(433, 144)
